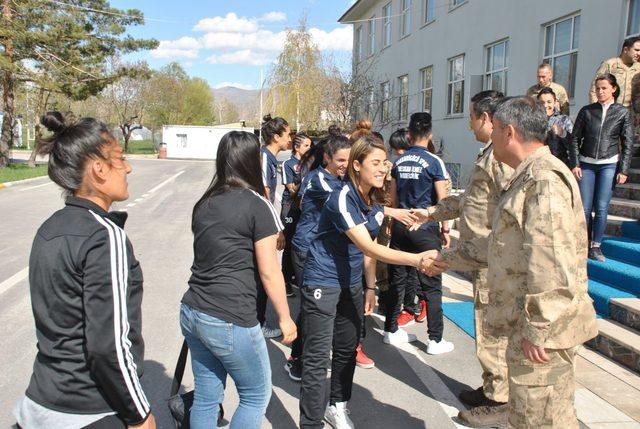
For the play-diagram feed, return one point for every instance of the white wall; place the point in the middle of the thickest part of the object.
(467, 30)
(200, 142)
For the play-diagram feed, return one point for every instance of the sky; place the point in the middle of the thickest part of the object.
(228, 42)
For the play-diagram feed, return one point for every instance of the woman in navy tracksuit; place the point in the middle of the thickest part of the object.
(333, 301)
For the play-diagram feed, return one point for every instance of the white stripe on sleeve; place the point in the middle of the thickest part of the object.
(441, 162)
(117, 250)
(342, 206)
(272, 209)
(264, 168)
(323, 182)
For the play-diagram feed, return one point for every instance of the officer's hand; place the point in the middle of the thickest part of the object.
(577, 172)
(403, 215)
(536, 354)
(446, 240)
(369, 301)
(150, 423)
(621, 178)
(281, 241)
(430, 263)
(422, 215)
(289, 330)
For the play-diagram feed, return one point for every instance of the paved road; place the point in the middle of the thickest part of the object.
(408, 388)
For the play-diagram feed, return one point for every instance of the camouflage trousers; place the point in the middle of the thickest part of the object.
(490, 350)
(541, 396)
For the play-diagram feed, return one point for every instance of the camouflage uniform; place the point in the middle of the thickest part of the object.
(538, 275)
(475, 209)
(558, 90)
(624, 77)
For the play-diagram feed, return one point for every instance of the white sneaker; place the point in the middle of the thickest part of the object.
(338, 416)
(271, 332)
(399, 337)
(438, 348)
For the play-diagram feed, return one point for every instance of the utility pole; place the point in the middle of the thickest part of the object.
(298, 90)
(261, 115)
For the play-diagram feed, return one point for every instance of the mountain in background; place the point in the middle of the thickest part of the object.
(246, 101)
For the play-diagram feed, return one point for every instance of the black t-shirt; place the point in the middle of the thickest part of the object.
(224, 275)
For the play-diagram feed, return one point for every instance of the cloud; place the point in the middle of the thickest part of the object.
(263, 40)
(229, 23)
(273, 17)
(234, 85)
(340, 39)
(184, 47)
(244, 56)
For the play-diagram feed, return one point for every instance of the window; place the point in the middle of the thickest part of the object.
(455, 3)
(454, 168)
(358, 53)
(495, 76)
(429, 10)
(405, 26)
(455, 87)
(561, 45)
(426, 78)
(369, 103)
(384, 91)
(403, 99)
(386, 24)
(372, 35)
(633, 21)
(182, 140)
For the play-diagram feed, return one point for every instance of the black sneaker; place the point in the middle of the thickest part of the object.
(596, 254)
(290, 292)
(294, 369)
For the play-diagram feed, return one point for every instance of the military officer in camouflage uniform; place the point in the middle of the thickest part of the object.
(537, 271)
(475, 209)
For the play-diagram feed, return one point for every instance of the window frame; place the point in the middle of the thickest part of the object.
(454, 4)
(403, 97)
(573, 52)
(387, 25)
(488, 74)
(425, 12)
(372, 35)
(385, 92)
(630, 4)
(405, 15)
(424, 89)
(451, 84)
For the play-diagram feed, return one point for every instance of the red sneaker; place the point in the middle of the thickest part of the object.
(362, 360)
(423, 311)
(405, 319)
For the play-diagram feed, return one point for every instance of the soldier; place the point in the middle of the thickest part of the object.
(624, 67)
(537, 271)
(545, 80)
(475, 209)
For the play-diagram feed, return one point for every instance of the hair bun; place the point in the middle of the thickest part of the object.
(267, 117)
(364, 124)
(54, 122)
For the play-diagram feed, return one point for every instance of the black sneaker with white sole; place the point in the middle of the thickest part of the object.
(294, 369)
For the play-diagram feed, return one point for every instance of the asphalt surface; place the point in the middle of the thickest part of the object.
(407, 388)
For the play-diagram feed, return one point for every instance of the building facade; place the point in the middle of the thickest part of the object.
(433, 55)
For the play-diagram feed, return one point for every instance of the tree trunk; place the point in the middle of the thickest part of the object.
(43, 101)
(6, 136)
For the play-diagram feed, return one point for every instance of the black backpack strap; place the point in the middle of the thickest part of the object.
(179, 372)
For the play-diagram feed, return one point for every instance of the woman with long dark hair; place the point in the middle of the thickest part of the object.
(333, 300)
(235, 230)
(86, 291)
(289, 211)
(600, 156)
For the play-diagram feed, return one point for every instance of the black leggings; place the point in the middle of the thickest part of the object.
(289, 215)
(298, 259)
(430, 287)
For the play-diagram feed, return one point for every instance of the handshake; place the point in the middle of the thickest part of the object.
(431, 263)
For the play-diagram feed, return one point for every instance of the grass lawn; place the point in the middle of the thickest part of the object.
(21, 171)
(142, 147)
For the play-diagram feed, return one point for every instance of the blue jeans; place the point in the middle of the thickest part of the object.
(219, 348)
(596, 189)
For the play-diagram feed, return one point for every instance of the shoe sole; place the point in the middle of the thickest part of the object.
(402, 342)
(439, 353)
(409, 323)
(291, 376)
(366, 365)
(418, 320)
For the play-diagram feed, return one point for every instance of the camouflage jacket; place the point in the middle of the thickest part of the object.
(475, 209)
(624, 77)
(538, 257)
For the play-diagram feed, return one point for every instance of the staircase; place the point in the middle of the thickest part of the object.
(614, 285)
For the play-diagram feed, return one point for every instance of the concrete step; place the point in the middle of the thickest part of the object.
(618, 342)
(629, 191)
(622, 249)
(616, 273)
(615, 226)
(634, 175)
(624, 207)
(626, 311)
(602, 294)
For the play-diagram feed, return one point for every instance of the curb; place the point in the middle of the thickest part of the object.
(19, 182)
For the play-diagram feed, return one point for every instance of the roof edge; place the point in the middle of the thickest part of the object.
(349, 11)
